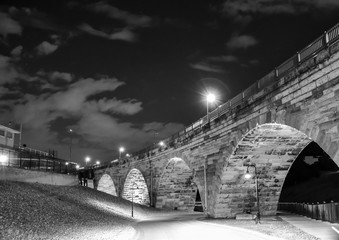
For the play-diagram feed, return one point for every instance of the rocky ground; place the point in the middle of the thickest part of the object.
(37, 211)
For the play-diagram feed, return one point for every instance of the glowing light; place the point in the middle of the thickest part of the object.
(66, 163)
(121, 149)
(97, 162)
(162, 144)
(87, 159)
(127, 155)
(3, 158)
(77, 166)
(210, 97)
(248, 175)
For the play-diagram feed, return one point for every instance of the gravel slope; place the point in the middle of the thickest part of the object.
(38, 211)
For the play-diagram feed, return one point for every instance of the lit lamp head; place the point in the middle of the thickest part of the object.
(77, 166)
(97, 162)
(161, 144)
(121, 149)
(67, 163)
(87, 159)
(247, 174)
(210, 97)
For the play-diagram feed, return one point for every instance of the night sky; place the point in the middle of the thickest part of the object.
(117, 71)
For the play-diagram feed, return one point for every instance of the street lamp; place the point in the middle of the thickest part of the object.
(210, 98)
(66, 167)
(87, 160)
(97, 162)
(249, 176)
(134, 184)
(121, 150)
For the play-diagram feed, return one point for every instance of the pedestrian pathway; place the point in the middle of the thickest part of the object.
(319, 229)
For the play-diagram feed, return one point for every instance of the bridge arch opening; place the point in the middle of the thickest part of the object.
(272, 148)
(106, 185)
(177, 189)
(313, 177)
(135, 187)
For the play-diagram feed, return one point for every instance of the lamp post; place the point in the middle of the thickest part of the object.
(248, 176)
(205, 183)
(210, 98)
(70, 145)
(134, 184)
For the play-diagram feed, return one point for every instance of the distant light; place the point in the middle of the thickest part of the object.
(87, 159)
(66, 163)
(97, 162)
(70, 130)
(210, 97)
(161, 143)
(114, 161)
(77, 166)
(121, 149)
(3, 158)
(127, 155)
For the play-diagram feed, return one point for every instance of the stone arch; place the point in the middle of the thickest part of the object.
(106, 185)
(135, 187)
(272, 148)
(177, 188)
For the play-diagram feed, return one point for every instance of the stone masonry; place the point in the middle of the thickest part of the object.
(269, 129)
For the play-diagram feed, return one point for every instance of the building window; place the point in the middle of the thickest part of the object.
(9, 135)
(2, 132)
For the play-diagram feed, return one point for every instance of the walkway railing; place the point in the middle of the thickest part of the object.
(320, 211)
(31, 159)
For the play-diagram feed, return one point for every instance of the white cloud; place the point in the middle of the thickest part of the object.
(9, 26)
(132, 20)
(16, 52)
(54, 76)
(8, 72)
(122, 34)
(207, 67)
(46, 48)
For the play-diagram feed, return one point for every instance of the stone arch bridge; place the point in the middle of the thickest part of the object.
(268, 125)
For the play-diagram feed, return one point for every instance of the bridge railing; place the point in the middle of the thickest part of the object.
(322, 42)
(320, 211)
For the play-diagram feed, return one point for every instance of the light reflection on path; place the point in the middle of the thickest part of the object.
(188, 227)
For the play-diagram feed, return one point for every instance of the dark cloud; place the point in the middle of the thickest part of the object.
(244, 10)
(241, 42)
(8, 25)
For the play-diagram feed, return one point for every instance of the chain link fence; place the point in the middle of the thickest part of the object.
(35, 160)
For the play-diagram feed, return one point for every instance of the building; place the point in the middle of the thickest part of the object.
(7, 136)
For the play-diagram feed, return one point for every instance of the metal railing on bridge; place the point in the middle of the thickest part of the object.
(321, 211)
(32, 159)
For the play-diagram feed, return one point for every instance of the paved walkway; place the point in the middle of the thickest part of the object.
(319, 229)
